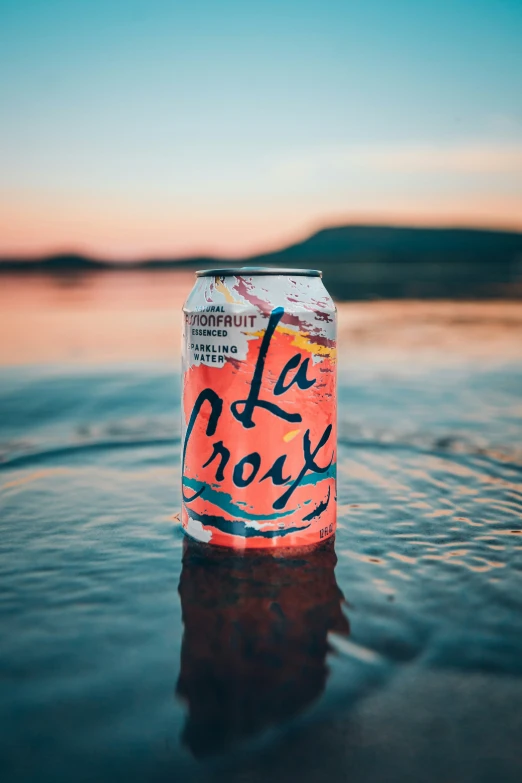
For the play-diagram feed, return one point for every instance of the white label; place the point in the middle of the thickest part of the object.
(216, 333)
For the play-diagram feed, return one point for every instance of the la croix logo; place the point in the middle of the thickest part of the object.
(246, 470)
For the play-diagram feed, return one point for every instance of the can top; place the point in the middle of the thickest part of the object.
(251, 271)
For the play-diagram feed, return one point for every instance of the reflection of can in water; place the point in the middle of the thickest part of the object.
(259, 408)
(256, 639)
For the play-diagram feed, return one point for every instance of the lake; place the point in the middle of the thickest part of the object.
(127, 652)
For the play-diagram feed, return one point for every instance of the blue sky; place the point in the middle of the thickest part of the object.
(132, 128)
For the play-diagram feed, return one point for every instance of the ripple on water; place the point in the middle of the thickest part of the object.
(428, 574)
(437, 538)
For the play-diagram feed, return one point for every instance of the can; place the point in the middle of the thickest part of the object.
(259, 409)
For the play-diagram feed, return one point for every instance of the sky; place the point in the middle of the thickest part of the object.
(153, 128)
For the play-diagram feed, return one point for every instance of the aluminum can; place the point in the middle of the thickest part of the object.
(259, 409)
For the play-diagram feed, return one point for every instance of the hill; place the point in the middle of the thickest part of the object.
(375, 261)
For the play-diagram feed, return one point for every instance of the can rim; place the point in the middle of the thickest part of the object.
(252, 271)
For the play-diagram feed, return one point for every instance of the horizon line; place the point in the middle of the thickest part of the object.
(196, 255)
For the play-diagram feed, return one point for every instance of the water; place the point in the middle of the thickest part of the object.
(128, 654)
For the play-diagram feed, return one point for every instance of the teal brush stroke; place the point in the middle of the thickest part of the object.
(224, 501)
(315, 478)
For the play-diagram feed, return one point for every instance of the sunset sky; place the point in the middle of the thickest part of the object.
(132, 129)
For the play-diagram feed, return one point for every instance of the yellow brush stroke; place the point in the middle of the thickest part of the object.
(221, 287)
(303, 341)
(290, 435)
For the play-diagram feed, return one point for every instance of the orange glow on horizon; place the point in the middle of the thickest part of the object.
(119, 231)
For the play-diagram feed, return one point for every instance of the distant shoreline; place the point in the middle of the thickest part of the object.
(358, 262)
(364, 235)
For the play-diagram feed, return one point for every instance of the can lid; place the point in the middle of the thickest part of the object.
(251, 271)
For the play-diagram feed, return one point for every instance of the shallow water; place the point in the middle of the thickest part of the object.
(397, 655)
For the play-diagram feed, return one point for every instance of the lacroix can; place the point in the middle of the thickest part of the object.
(259, 408)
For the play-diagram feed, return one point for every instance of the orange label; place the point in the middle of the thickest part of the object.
(259, 454)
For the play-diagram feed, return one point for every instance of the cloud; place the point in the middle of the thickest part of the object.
(472, 158)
